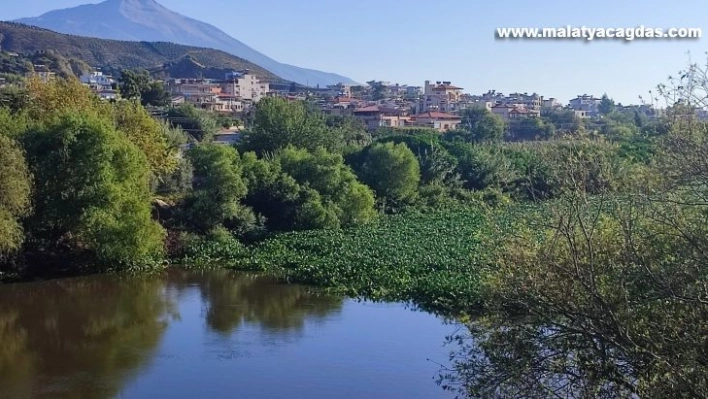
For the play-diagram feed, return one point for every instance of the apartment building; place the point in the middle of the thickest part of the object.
(589, 104)
(245, 86)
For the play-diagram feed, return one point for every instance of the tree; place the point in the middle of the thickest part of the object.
(480, 125)
(278, 123)
(377, 90)
(531, 129)
(195, 122)
(218, 187)
(155, 95)
(137, 85)
(300, 190)
(606, 106)
(15, 189)
(148, 135)
(92, 190)
(133, 83)
(392, 171)
(56, 97)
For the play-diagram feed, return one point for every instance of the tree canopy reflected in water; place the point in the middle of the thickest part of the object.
(232, 299)
(78, 338)
(89, 337)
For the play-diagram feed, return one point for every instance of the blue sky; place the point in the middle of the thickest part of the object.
(411, 41)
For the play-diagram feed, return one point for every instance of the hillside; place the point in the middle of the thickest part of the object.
(161, 58)
(148, 20)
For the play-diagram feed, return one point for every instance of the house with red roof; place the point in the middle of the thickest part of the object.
(437, 120)
(375, 116)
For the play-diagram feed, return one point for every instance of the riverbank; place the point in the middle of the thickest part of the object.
(433, 259)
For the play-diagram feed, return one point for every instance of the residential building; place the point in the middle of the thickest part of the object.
(528, 101)
(375, 117)
(43, 75)
(443, 89)
(587, 103)
(340, 90)
(245, 85)
(107, 94)
(437, 120)
(551, 103)
(97, 81)
(514, 112)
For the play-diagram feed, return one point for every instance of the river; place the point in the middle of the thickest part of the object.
(211, 334)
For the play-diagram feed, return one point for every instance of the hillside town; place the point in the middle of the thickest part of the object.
(377, 104)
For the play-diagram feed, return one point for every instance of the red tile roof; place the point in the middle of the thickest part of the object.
(372, 108)
(446, 87)
(383, 110)
(437, 115)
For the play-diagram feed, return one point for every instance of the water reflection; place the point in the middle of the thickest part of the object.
(507, 358)
(232, 299)
(87, 337)
(61, 337)
(209, 334)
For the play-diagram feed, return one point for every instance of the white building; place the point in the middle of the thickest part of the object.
(245, 86)
(589, 104)
(97, 81)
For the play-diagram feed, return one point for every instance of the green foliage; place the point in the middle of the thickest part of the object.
(137, 85)
(352, 130)
(279, 123)
(429, 258)
(13, 99)
(392, 171)
(218, 246)
(301, 190)
(15, 189)
(478, 125)
(218, 188)
(607, 106)
(103, 208)
(197, 123)
(531, 129)
(147, 134)
(178, 183)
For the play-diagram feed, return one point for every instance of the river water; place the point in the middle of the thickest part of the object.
(211, 334)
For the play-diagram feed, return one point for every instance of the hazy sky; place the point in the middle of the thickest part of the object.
(411, 41)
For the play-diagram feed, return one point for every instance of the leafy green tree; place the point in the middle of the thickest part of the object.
(437, 165)
(606, 106)
(352, 130)
(197, 123)
(13, 98)
(531, 129)
(218, 189)
(278, 123)
(155, 95)
(92, 190)
(15, 189)
(138, 85)
(133, 83)
(299, 190)
(377, 90)
(147, 134)
(392, 171)
(479, 125)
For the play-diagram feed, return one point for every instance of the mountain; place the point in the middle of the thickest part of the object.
(59, 51)
(147, 20)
